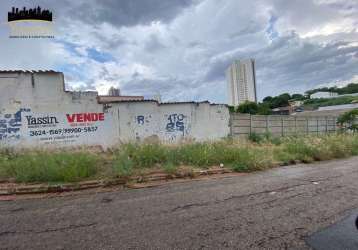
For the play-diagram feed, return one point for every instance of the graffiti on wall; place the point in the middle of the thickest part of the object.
(141, 119)
(10, 125)
(175, 123)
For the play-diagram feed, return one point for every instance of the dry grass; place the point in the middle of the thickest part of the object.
(134, 159)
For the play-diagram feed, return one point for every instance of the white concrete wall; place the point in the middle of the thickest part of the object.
(35, 111)
(171, 123)
(42, 92)
(25, 97)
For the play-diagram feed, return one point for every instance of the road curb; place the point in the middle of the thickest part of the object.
(18, 189)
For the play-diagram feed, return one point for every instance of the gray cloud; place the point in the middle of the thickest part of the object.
(118, 13)
(181, 48)
(292, 64)
(128, 12)
(153, 44)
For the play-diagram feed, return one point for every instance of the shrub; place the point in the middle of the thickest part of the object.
(310, 148)
(170, 168)
(349, 118)
(255, 137)
(199, 154)
(248, 108)
(354, 145)
(282, 156)
(336, 147)
(240, 167)
(298, 149)
(252, 108)
(252, 159)
(232, 109)
(123, 166)
(275, 140)
(144, 155)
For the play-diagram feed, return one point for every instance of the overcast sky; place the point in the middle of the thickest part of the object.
(181, 48)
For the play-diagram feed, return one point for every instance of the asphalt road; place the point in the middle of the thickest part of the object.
(274, 209)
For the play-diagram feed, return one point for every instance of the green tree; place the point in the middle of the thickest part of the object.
(254, 108)
(280, 101)
(312, 91)
(277, 101)
(267, 99)
(248, 108)
(349, 89)
(349, 118)
(264, 109)
(285, 96)
(298, 97)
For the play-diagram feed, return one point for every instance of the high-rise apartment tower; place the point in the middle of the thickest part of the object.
(241, 79)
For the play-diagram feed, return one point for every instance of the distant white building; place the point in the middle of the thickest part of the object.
(322, 94)
(241, 78)
(114, 91)
(296, 103)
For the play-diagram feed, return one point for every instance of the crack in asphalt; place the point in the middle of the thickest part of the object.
(19, 209)
(307, 182)
(49, 230)
(187, 206)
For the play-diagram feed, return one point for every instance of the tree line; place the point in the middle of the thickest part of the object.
(283, 100)
(349, 89)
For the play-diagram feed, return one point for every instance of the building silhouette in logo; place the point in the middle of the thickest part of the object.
(30, 14)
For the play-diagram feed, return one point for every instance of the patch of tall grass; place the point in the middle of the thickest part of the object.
(240, 156)
(46, 166)
(132, 158)
(316, 148)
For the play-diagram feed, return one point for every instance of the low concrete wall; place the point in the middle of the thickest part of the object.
(35, 111)
(280, 125)
(323, 113)
(171, 122)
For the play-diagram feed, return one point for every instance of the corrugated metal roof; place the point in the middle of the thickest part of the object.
(28, 71)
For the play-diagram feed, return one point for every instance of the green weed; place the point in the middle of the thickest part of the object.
(49, 166)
